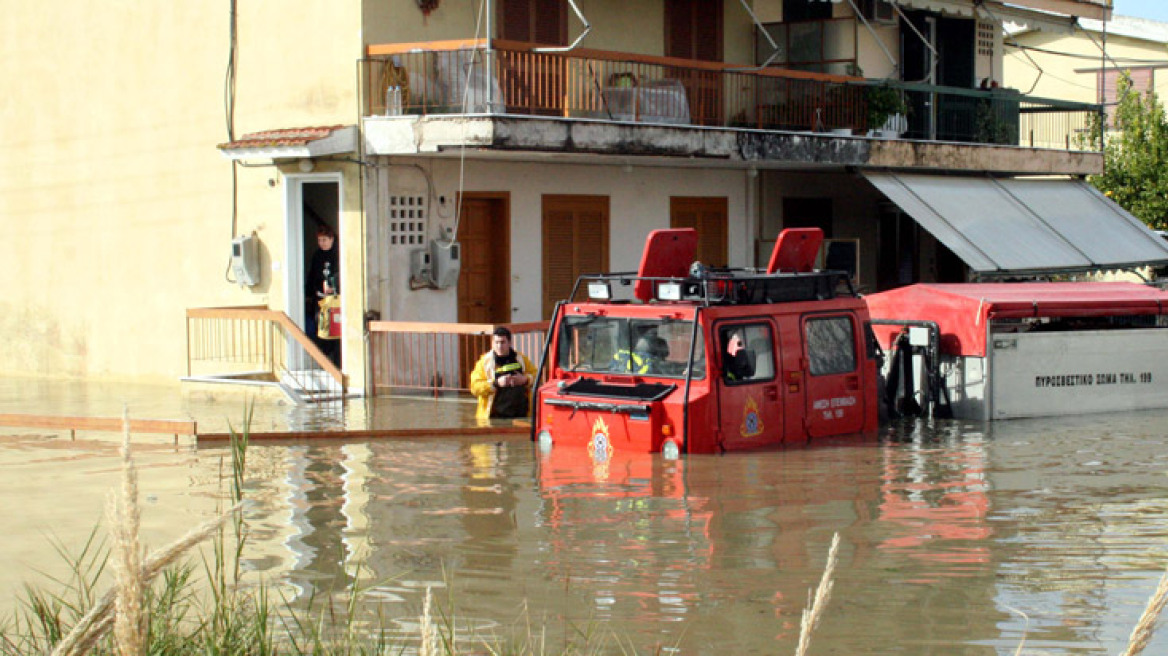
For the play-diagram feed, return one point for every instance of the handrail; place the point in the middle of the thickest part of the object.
(261, 313)
(456, 328)
(388, 49)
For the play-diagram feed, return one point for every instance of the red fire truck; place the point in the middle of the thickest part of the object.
(680, 358)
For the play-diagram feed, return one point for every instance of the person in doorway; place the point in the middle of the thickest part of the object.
(323, 280)
(502, 379)
(738, 361)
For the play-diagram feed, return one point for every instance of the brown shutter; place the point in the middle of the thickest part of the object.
(575, 241)
(549, 25)
(515, 20)
(709, 216)
(708, 30)
(679, 28)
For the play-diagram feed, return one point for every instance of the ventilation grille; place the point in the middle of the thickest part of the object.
(985, 39)
(407, 220)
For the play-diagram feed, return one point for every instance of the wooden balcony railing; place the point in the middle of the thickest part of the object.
(439, 356)
(506, 77)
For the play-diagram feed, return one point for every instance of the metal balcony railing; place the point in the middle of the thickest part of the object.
(260, 345)
(503, 77)
(439, 357)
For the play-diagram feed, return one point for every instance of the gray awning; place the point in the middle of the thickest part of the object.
(1010, 226)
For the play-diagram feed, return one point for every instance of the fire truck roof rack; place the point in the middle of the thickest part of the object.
(722, 286)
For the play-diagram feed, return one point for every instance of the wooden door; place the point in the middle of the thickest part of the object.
(693, 30)
(484, 292)
(575, 241)
(709, 216)
(532, 83)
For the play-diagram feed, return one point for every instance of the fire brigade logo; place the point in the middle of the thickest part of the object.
(751, 419)
(600, 449)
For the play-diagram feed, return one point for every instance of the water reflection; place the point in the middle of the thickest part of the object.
(947, 529)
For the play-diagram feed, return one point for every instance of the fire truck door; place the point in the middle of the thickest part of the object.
(749, 409)
(834, 387)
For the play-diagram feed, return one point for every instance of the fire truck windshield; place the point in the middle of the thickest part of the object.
(631, 346)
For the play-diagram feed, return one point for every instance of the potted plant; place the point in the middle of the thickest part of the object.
(884, 102)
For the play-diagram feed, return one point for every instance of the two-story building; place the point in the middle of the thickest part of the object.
(475, 156)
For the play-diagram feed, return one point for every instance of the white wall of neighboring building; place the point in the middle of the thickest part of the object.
(639, 199)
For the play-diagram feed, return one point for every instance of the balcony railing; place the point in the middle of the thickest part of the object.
(468, 77)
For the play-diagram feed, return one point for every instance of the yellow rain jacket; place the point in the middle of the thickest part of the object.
(484, 374)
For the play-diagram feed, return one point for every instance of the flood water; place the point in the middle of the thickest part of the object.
(956, 538)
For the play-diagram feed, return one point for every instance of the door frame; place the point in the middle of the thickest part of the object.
(504, 199)
(294, 242)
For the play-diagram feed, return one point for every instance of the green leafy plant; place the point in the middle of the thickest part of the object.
(884, 101)
(1135, 156)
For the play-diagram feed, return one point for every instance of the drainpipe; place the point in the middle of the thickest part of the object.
(489, 53)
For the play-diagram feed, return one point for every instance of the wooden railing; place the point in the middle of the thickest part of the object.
(513, 77)
(242, 341)
(480, 76)
(439, 356)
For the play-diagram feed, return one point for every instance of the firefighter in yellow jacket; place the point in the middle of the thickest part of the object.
(502, 379)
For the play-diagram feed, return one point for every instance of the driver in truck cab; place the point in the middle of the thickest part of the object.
(502, 379)
(645, 358)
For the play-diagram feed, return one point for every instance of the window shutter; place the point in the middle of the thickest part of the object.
(515, 20)
(709, 217)
(575, 241)
(549, 25)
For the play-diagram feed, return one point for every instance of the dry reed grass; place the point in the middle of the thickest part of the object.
(822, 595)
(1141, 635)
(125, 518)
(122, 607)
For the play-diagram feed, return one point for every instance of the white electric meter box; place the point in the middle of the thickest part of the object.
(445, 263)
(420, 265)
(245, 260)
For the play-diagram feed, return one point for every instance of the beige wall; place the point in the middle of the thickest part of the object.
(116, 205)
(638, 203)
(635, 26)
(1073, 77)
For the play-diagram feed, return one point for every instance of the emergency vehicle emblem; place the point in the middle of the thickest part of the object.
(751, 419)
(600, 449)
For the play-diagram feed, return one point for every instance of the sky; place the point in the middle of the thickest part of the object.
(1154, 9)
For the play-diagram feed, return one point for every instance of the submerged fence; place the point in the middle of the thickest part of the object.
(437, 357)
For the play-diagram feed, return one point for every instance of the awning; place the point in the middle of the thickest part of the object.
(998, 12)
(293, 143)
(1024, 226)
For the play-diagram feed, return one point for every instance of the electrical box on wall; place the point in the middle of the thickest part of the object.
(245, 260)
(420, 266)
(445, 263)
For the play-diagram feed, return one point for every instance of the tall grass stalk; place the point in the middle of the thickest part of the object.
(125, 518)
(1142, 633)
(822, 595)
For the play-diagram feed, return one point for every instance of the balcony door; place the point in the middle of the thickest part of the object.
(575, 241)
(693, 30)
(532, 83)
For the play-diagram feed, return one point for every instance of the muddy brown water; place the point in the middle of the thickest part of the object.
(956, 538)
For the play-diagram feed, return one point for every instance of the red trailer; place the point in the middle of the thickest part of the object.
(683, 359)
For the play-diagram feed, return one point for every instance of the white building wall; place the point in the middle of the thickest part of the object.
(638, 203)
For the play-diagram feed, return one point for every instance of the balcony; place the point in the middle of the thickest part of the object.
(507, 79)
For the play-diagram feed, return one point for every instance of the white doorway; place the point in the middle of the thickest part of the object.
(310, 200)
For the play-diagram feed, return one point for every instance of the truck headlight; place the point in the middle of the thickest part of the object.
(670, 450)
(545, 441)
